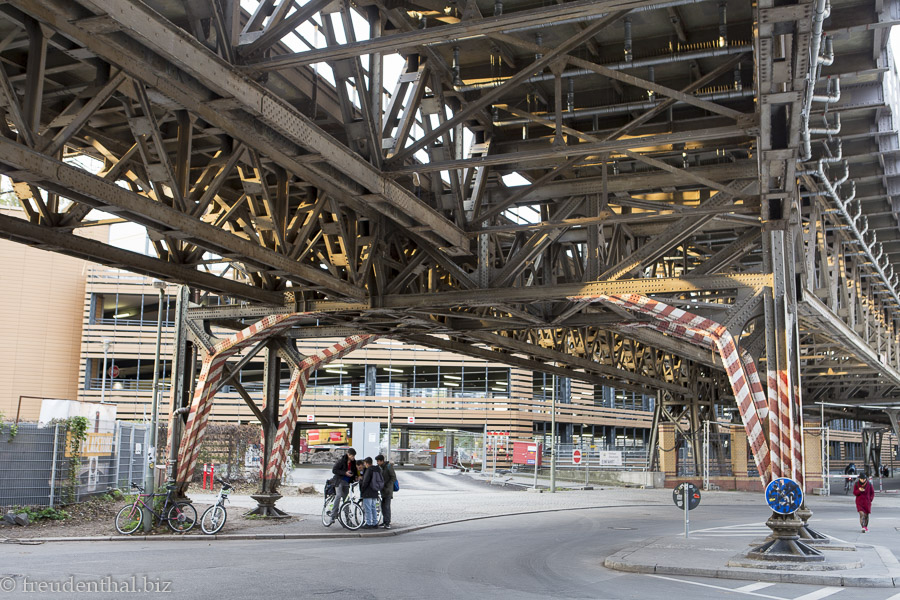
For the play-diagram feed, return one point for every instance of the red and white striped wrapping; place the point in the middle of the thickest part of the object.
(296, 390)
(210, 375)
(694, 328)
(756, 390)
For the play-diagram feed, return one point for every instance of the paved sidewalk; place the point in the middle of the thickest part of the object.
(867, 566)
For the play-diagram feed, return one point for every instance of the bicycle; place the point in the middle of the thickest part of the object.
(179, 516)
(214, 517)
(350, 515)
(379, 518)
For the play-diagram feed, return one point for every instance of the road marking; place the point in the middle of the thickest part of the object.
(822, 593)
(894, 597)
(753, 587)
(717, 587)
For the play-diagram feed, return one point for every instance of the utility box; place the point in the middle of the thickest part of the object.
(366, 439)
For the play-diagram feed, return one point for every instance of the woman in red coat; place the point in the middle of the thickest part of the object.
(864, 493)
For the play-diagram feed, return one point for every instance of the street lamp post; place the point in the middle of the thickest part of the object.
(149, 479)
(106, 344)
(553, 437)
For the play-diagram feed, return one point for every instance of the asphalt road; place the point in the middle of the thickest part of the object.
(547, 555)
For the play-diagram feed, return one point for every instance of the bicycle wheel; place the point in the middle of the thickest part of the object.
(213, 519)
(352, 516)
(379, 518)
(326, 511)
(181, 517)
(129, 519)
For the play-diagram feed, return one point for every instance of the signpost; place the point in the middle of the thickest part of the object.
(693, 501)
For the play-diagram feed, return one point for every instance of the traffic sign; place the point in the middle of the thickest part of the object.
(310, 418)
(784, 496)
(693, 495)
(576, 456)
(114, 371)
(410, 419)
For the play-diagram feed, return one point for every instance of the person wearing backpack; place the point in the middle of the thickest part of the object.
(372, 483)
(387, 494)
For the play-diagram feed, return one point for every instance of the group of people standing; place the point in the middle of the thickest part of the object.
(374, 477)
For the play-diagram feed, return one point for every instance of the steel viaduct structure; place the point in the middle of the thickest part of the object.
(696, 197)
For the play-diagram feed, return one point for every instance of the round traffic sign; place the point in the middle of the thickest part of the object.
(576, 456)
(693, 493)
(784, 496)
(114, 371)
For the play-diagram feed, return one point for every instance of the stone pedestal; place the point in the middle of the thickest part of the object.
(784, 544)
(265, 506)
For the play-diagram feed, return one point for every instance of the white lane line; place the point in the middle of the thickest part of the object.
(894, 597)
(753, 587)
(822, 593)
(717, 587)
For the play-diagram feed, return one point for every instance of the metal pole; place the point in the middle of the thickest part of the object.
(584, 452)
(53, 464)
(553, 437)
(390, 418)
(706, 455)
(106, 345)
(154, 409)
(484, 449)
(687, 520)
(537, 460)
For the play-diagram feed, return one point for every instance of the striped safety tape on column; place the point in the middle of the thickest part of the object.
(694, 326)
(299, 379)
(210, 375)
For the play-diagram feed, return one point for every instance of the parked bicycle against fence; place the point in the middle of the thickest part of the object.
(214, 517)
(179, 516)
(351, 514)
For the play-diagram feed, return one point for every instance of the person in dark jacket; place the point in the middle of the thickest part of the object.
(369, 492)
(864, 493)
(387, 494)
(345, 472)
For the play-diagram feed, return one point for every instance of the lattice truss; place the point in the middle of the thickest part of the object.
(454, 173)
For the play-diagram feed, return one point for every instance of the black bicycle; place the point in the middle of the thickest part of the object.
(179, 516)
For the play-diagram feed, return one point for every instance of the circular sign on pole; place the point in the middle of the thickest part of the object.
(310, 418)
(410, 420)
(576, 456)
(114, 371)
(784, 496)
(693, 493)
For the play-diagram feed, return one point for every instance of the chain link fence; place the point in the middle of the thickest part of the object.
(38, 468)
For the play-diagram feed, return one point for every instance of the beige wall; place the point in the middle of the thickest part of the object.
(41, 311)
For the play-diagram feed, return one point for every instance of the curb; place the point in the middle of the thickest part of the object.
(619, 562)
(295, 536)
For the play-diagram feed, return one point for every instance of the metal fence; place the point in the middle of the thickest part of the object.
(592, 459)
(37, 467)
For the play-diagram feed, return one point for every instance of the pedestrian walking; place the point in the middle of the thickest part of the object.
(387, 494)
(864, 493)
(345, 473)
(372, 483)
